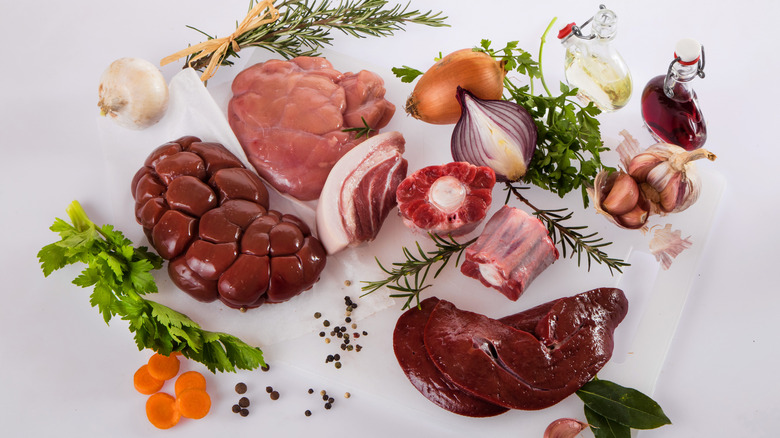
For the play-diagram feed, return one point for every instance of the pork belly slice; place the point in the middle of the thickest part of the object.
(360, 192)
(526, 370)
(513, 249)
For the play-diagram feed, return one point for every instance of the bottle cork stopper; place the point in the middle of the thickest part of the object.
(688, 50)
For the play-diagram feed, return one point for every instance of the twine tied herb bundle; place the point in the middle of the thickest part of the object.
(301, 28)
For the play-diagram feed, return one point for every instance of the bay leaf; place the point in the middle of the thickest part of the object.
(603, 427)
(627, 406)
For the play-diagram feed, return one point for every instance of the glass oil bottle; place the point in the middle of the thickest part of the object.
(670, 107)
(593, 65)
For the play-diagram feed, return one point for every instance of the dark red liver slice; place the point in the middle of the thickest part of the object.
(410, 351)
(522, 370)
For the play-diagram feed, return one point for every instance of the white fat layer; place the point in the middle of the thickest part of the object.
(336, 201)
(447, 193)
(491, 274)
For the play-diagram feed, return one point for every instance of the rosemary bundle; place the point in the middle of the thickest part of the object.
(302, 28)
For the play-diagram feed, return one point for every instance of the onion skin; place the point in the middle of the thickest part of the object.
(433, 99)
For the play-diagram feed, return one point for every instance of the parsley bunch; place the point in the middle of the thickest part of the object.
(120, 275)
(569, 145)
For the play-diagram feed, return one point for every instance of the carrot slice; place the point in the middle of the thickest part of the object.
(162, 411)
(163, 367)
(190, 380)
(193, 403)
(145, 383)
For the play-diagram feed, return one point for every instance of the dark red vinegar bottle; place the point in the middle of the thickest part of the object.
(670, 107)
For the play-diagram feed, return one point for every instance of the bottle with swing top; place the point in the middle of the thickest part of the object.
(592, 64)
(670, 107)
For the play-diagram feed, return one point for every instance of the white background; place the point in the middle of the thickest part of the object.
(62, 371)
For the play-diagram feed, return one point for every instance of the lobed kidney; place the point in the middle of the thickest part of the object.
(209, 216)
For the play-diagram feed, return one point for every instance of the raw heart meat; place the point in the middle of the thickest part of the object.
(290, 117)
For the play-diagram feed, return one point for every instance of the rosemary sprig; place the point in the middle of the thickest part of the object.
(417, 267)
(361, 131)
(569, 238)
(304, 26)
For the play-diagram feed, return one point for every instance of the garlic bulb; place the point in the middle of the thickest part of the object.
(133, 92)
(667, 176)
(617, 196)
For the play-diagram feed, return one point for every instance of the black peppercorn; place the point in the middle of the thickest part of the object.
(243, 402)
(244, 412)
(268, 389)
(275, 395)
(327, 405)
(317, 314)
(307, 413)
(311, 391)
(241, 387)
(236, 408)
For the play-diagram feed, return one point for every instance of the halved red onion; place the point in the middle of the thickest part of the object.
(495, 133)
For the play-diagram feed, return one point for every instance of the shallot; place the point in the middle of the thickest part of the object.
(494, 133)
(133, 92)
(433, 99)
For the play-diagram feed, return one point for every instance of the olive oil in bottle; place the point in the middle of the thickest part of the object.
(593, 66)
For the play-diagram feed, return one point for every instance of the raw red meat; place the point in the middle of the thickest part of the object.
(360, 192)
(513, 249)
(530, 360)
(409, 348)
(290, 116)
(448, 199)
(208, 215)
(524, 370)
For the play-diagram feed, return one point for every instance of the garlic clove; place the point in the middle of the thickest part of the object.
(564, 428)
(641, 165)
(635, 217)
(623, 196)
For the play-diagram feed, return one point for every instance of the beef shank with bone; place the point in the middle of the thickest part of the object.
(208, 215)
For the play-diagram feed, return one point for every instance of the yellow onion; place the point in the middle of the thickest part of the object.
(433, 99)
(667, 175)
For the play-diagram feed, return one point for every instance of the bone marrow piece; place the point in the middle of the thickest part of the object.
(447, 199)
(513, 249)
(530, 360)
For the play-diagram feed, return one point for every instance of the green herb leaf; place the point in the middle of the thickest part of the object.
(120, 275)
(626, 406)
(406, 74)
(603, 427)
(303, 26)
